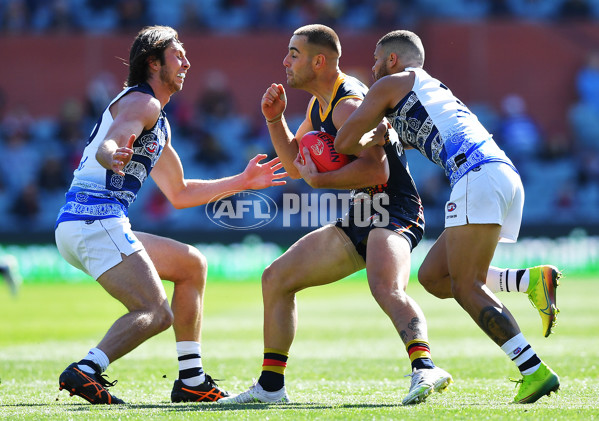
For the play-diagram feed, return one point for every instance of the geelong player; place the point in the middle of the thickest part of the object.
(485, 205)
(338, 250)
(131, 139)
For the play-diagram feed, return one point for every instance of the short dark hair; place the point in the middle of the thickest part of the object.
(406, 44)
(320, 35)
(150, 43)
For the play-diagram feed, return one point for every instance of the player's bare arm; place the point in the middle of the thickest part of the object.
(291, 150)
(368, 169)
(383, 95)
(184, 193)
(273, 104)
(132, 113)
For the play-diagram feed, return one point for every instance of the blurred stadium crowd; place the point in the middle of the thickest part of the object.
(249, 15)
(30, 195)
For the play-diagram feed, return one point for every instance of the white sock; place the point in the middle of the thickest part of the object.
(191, 372)
(96, 356)
(521, 353)
(509, 280)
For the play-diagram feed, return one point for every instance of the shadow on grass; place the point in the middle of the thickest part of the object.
(202, 407)
(215, 407)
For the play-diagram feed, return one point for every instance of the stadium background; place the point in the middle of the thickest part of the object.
(528, 68)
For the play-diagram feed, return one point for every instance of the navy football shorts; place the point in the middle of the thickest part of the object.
(357, 223)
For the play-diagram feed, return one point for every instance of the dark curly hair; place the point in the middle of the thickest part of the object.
(149, 44)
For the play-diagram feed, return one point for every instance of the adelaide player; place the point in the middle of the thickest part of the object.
(338, 250)
(93, 233)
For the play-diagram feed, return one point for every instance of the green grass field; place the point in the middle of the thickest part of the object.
(347, 362)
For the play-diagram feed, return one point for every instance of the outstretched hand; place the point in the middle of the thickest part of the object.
(122, 156)
(261, 176)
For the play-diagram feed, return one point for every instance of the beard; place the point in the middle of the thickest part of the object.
(298, 81)
(169, 81)
(380, 74)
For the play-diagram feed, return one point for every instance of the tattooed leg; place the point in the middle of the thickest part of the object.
(497, 324)
(388, 270)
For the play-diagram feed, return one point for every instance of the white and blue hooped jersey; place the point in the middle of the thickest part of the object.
(431, 119)
(99, 193)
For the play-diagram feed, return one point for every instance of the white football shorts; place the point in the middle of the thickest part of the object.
(489, 194)
(96, 246)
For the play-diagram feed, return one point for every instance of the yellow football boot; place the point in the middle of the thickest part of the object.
(541, 292)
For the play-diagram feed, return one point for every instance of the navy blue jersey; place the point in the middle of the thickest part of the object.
(345, 87)
(405, 207)
(400, 183)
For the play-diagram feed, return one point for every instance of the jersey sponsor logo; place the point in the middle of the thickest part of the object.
(460, 159)
(451, 207)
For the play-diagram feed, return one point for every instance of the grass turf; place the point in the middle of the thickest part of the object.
(347, 362)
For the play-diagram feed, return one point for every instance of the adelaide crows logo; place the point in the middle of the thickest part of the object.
(317, 148)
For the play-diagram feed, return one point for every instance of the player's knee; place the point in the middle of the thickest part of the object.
(459, 290)
(381, 289)
(162, 317)
(425, 279)
(276, 281)
(383, 296)
(269, 278)
(437, 286)
(200, 262)
(428, 286)
(195, 268)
